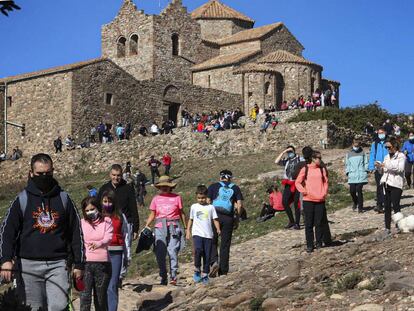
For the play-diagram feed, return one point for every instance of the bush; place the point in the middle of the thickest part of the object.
(348, 281)
(355, 118)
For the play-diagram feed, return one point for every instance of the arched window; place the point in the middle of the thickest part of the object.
(121, 47)
(268, 89)
(175, 39)
(133, 45)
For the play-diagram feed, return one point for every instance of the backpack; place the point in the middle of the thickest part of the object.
(23, 200)
(223, 201)
(322, 168)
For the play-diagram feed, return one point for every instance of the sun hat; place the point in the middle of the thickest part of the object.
(165, 181)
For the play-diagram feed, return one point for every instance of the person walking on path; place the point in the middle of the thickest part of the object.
(167, 210)
(377, 155)
(124, 197)
(166, 161)
(356, 168)
(119, 247)
(154, 164)
(227, 199)
(140, 180)
(39, 232)
(392, 179)
(200, 226)
(312, 182)
(58, 144)
(97, 230)
(408, 150)
(289, 160)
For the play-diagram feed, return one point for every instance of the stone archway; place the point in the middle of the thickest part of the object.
(172, 104)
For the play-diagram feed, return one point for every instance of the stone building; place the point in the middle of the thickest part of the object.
(154, 65)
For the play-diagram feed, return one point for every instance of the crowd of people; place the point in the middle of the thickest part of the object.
(43, 236)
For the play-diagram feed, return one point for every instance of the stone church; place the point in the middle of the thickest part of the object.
(152, 66)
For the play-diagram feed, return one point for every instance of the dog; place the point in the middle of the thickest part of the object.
(405, 224)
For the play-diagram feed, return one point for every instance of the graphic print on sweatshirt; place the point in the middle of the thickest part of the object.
(45, 220)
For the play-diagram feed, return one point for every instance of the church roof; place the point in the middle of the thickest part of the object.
(214, 9)
(225, 60)
(281, 56)
(53, 70)
(249, 35)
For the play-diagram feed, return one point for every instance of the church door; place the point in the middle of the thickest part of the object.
(173, 109)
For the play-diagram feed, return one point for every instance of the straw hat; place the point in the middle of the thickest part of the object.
(165, 181)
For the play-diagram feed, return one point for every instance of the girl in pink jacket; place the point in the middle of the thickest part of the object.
(97, 234)
(312, 182)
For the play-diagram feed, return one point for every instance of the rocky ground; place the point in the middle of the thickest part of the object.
(370, 271)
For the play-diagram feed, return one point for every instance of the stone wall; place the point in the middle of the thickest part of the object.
(220, 79)
(127, 23)
(2, 121)
(281, 39)
(175, 20)
(44, 105)
(183, 145)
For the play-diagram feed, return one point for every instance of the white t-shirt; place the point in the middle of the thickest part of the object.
(202, 217)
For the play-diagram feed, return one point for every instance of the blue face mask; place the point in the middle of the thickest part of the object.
(381, 136)
(291, 155)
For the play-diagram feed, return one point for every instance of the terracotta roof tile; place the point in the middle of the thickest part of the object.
(249, 35)
(282, 56)
(52, 70)
(224, 60)
(254, 67)
(214, 9)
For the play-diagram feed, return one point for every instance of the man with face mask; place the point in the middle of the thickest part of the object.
(39, 232)
(356, 168)
(289, 160)
(408, 150)
(376, 158)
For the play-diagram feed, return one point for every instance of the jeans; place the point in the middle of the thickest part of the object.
(154, 172)
(287, 197)
(315, 217)
(116, 264)
(172, 248)
(202, 252)
(226, 226)
(409, 172)
(392, 199)
(380, 189)
(96, 279)
(357, 195)
(43, 284)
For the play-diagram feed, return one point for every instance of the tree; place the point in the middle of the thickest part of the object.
(7, 6)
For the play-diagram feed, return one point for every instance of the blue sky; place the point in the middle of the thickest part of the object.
(368, 45)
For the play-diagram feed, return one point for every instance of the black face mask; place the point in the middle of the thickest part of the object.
(44, 183)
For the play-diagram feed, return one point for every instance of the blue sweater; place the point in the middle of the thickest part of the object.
(377, 155)
(409, 148)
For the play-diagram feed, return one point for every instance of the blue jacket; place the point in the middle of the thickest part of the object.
(377, 155)
(356, 167)
(409, 147)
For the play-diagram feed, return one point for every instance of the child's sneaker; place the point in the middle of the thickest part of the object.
(173, 281)
(205, 280)
(197, 277)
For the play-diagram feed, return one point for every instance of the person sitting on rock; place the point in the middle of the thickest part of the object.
(275, 204)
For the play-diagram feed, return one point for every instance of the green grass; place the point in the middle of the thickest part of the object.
(192, 173)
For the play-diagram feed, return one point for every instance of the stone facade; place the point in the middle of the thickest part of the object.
(147, 73)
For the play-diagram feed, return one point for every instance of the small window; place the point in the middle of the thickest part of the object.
(109, 99)
(250, 94)
(9, 101)
(121, 47)
(133, 45)
(175, 45)
(268, 90)
(209, 81)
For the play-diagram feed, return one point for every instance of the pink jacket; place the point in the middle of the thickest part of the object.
(314, 188)
(101, 236)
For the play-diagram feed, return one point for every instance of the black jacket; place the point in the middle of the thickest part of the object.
(46, 231)
(125, 200)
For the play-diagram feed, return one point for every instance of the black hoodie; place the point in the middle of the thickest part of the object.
(46, 231)
(125, 200)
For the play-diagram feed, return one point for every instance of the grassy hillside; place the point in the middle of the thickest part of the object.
(191, 173)
(356, 118)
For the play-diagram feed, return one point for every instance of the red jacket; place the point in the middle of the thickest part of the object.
(166, 160)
